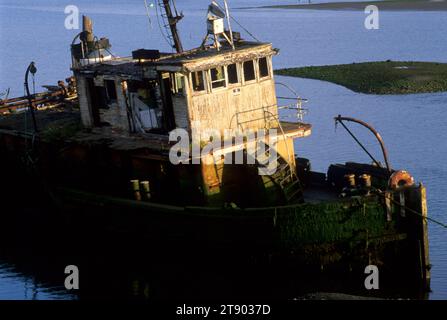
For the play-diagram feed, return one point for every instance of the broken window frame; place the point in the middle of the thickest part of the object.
(204, 82)
(254, 71)
(267, 60)
(238, 75)
(222, 80)
(176, 78)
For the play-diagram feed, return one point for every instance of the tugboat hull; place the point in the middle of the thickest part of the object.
(335, 238)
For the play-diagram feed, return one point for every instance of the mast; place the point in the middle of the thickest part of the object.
(172, 21)
(227, 13)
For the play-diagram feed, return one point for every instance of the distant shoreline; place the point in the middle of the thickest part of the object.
(392, 5)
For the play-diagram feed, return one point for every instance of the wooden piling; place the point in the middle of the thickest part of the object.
(424, 236)
(417, 203)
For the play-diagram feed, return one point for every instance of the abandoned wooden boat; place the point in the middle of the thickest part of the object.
(110, 161)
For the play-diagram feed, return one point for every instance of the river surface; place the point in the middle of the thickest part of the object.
(414, 127)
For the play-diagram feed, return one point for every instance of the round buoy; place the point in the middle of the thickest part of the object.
(400, 179)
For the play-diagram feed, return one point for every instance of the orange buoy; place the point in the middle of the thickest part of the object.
(400, 178)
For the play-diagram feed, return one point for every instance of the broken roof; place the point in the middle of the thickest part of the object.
(191, 60)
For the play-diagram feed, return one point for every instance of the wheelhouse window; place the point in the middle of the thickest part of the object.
(218, 77)
(177, 83)
(263, 68)
(233, 76)
(249, 71)
(198, 81)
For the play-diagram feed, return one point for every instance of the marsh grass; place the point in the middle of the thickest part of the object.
(386, 77)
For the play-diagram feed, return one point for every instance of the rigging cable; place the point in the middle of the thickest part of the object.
(175, 8)
(239, 24)
(148, 16)
(359, 143)
(161, 29)
(245, 29)
(381, 193)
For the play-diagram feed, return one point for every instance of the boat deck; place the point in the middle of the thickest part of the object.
(58, 118)
(318, 194)
(55, 119)
(296, 129)
(22, 121)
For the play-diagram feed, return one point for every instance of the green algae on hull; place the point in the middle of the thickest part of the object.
(384, 77)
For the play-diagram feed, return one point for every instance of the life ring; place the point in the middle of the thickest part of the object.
(400, 179)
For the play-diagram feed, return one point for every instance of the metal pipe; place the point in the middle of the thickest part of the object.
(87, 28)
(376, 134)
(73, 59)
(31, 68)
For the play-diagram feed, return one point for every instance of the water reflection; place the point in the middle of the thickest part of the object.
(116, 265)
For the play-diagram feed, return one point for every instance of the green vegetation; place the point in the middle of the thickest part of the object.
(330, 222)
(387, 77)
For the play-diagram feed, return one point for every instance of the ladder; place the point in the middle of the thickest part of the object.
(284, 177)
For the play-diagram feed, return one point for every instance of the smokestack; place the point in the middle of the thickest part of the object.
(87, 27)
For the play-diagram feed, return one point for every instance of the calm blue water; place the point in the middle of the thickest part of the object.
(413, 126)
